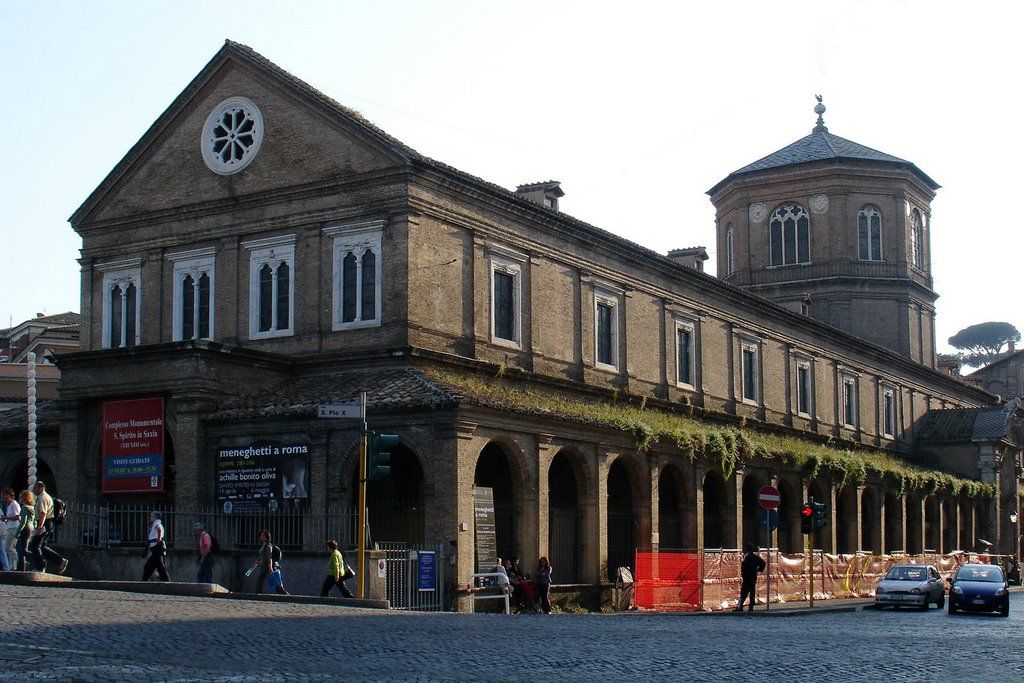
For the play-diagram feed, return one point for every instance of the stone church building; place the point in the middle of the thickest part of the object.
(263, 250)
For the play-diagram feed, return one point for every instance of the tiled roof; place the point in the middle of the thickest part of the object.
(52, 321)
(968, 424)
(386, 388)
(15, 420)
(821, 145)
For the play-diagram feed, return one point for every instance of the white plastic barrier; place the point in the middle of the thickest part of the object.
(473, 597)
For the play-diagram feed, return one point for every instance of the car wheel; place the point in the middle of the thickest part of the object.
(941, 602)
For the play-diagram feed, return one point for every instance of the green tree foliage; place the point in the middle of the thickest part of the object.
(982, 343)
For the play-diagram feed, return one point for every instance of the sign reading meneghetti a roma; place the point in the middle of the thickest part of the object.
(133, 446)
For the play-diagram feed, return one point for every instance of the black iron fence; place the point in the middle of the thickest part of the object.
(127, 526)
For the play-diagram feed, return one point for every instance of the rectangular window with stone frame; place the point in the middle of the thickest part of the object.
(506, 301)
(849, 401)
(685, 354)
(606, 334)
(804, 388)
(749, 369)
(889, 423)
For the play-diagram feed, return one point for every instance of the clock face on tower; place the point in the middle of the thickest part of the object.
(758, 212)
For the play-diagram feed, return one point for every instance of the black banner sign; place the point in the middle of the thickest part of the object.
(263, 476)
(486, 539)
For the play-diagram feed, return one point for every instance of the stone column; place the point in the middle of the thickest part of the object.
(734, 512)
(538, 502)
(988, 465)
(605, 458)
(883, 519)
(69, 466)
(859, 520)
(956, 526)
(653, 538)
(830, 532)
(456, 474)
(942, 528)
(699, 472)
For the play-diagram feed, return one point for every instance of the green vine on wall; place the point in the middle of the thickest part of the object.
(723, 445)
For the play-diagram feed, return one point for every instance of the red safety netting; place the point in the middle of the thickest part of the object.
(710, 580)
(667, 581)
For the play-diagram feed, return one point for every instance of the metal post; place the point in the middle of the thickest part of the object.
(810, 559)
(768, 543)
(361, 539)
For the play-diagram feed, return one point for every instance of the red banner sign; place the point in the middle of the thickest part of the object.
(133, 446)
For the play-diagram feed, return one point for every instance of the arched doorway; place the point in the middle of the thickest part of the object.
(394, 504)
(16, 476)
(673, 520)
(870, 524)
(753, 524)
(914, 526)
(621, 519)
(789, 536)
(846, 520)
(714, 510)
(949, 524)
(893, 523)
(565, 519)
(932, 526)
(494, 471)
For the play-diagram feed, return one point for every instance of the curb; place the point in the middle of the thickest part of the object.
(195, 590)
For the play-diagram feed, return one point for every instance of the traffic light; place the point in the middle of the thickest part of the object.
(379, 457)
(820, 518)
(806, 521)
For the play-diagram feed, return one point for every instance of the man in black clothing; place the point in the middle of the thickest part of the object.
(751, 565)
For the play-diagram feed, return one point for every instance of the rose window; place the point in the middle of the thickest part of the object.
(232, 135)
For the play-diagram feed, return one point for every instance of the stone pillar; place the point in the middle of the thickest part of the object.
(988, 465)
(942, 528)
(653, 537)
(699, 472)
(883, 519)
(69, 466)
(456, 474)
(920, 535)
(829, 532)
(859, 520)
(956, 526)
(537, 502)
(734, 512)
(312, 534)
(605, 458)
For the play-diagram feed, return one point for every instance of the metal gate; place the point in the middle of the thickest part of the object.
(403, 587)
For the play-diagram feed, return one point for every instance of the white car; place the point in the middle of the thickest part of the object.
(911, 585)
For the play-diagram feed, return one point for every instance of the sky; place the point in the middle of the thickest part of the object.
(637, 108)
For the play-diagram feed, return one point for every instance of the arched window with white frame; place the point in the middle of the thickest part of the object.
(193, 294)
(357, 262)
(271, 286)
(869, 230)
(790, 235)
(121, 297)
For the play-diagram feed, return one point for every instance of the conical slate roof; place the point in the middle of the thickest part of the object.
(821, 145)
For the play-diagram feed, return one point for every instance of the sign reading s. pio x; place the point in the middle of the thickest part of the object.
(133, 446)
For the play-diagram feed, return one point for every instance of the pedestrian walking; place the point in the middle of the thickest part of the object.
(156, 549)
(11, 519)
(45, 525)
(750, 566)
(26, 527)
(543, 580)
(337, 572)
(269, 565)
(205, 559)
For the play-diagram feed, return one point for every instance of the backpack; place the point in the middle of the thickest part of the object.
(214, 544)
(60, 510)
(275, 554)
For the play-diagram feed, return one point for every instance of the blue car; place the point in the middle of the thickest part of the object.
(979, 588)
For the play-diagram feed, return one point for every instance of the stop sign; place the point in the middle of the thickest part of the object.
(769, 497)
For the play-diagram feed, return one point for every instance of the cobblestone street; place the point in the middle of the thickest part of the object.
(87, 635)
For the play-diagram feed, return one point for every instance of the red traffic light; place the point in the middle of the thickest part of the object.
(806, 511)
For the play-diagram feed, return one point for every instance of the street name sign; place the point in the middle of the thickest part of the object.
(336, 410)
(769, 497)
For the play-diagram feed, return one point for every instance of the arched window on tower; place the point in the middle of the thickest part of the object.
(916, 239)
(730, 255)
(869, 228)
(790, 235)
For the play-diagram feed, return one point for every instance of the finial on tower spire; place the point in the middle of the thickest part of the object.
(819, 109)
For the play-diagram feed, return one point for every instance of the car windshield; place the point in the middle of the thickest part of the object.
(985, 574)
(907, 574)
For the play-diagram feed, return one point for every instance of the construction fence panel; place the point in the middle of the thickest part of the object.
(668, 581)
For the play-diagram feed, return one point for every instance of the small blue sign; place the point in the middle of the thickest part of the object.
(771, 518)
(426, 570)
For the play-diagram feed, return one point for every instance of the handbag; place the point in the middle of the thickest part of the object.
(347, 574)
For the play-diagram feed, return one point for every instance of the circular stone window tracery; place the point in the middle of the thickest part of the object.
(232, 135)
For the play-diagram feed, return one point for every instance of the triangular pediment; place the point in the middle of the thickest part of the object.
(307, 138)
